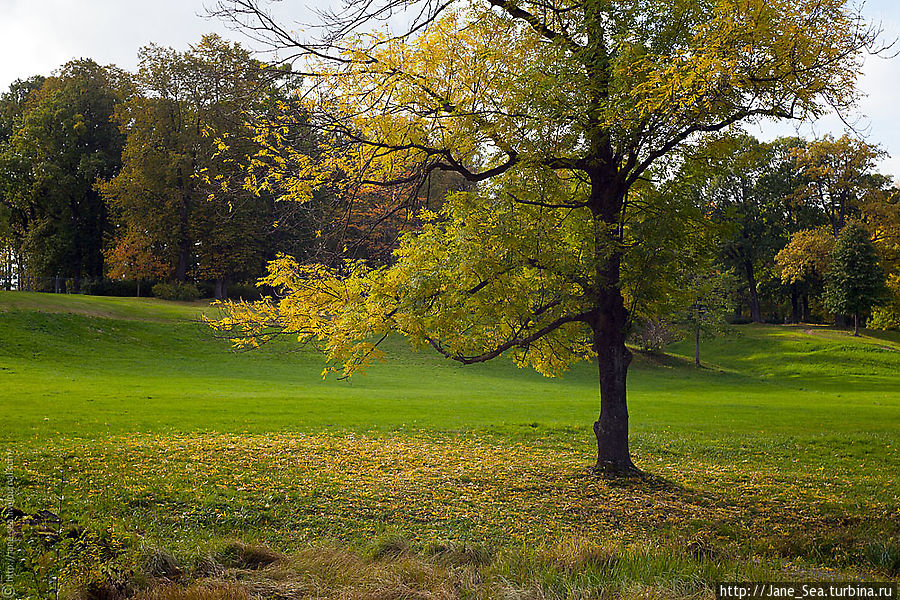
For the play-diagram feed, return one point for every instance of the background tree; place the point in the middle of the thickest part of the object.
(63, 143)
(840, 177)
(14, 214)
(558, 112)
(177, 183)
(706, 315)
(803, 262)
(854, 281)
(133, 257)
(739, 193)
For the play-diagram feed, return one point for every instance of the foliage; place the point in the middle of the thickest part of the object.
(855, 280)
(176, 290)
(887, 316)
(840, 178)
(806, 257)
(742, 185)
(132, 256)
(60, 145)
(180, 209)
(560, 117)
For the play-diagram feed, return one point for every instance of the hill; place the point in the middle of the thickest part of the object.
(155, 444)
(81, 366)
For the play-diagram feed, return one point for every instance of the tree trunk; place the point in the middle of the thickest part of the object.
(184, 246)
(221, 290)
(755, 314)
(807, 317)
(611, 429)
(856, 324)
(139, 288)
(795, 304)
(613, 357)
(184, 242)
(697, 346)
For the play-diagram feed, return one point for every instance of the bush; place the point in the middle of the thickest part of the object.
(176, 291)
(885, 317)
(244, 291)
(739, 321)
(112, 287)
(654, 334)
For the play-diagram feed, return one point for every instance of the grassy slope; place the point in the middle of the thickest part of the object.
(785, 448)
(122, 365)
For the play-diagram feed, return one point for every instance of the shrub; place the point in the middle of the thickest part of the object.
(244, 291)
(112, 287)
(654, 334)
(176, 291)
(739, 321)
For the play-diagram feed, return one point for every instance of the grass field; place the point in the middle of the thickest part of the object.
(157, 444)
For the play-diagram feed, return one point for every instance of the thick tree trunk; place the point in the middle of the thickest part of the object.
(609, 327)
(138, 288)
(221, 290)
(755, 314)
(611, 429)
(807, 317)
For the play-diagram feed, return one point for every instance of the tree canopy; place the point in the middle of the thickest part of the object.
(558, 113)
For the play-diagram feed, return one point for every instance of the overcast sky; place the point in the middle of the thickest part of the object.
(37, 36)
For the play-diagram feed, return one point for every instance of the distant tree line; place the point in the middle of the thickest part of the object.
(109, 177)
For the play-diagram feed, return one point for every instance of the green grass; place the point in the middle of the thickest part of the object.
(79, 366)
(128, 418)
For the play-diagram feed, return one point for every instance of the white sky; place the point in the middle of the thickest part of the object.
(37, 36)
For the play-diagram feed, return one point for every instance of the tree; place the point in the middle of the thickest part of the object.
(840, 177)
(63, 143)
(738, 190)
(133, 256)
(559, 113)
(14, 214)
(854, 281)
(804, 261)
(177, 185)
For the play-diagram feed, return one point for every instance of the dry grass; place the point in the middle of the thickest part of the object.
(571, 570)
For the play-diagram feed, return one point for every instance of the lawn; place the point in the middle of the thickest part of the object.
(149, 438)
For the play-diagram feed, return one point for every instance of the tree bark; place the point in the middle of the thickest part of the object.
(613, 358)
(856, 324)
(795, 304)
(221, 290)
(755, 314)
(807, 317)
(609, 327)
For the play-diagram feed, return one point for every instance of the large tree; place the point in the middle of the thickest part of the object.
(560, 111)
(177, 191)
(63, 142)
(840, 178)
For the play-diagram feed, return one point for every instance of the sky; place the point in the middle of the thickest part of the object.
(37, 36)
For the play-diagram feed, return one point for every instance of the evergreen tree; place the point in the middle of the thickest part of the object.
(855, 280)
